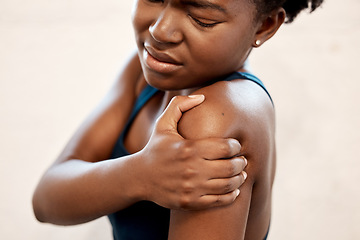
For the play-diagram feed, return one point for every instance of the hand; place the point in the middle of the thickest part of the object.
(189, 174)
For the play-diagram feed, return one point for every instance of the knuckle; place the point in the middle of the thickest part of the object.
(187, 188)
(185, 202)
(231, 168)
(189, 173)
(225, 149)
(218, 200)
(228, 187)
(185, 151)
(238, 181)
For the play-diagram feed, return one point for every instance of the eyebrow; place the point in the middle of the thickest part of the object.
(204, 4)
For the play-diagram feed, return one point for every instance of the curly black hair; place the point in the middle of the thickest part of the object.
(292, 7)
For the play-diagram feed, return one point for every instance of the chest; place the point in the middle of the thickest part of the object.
(141, 127)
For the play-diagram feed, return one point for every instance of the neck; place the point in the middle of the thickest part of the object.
(168, 95)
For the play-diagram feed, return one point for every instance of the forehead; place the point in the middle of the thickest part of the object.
(223, 6)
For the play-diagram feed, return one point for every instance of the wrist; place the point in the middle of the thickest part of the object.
(120, 179)
(136, 169)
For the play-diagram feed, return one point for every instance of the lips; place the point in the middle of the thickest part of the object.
(159, 61)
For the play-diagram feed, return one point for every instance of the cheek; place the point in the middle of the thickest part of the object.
(138, 23)
(142, 17)
(135, 14)
(222, 53)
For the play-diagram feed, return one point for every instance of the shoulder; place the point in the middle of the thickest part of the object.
(238, 109)
(230, 109)
(129, 74)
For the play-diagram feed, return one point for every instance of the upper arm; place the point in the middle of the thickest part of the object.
(226, 113)
(94, 139)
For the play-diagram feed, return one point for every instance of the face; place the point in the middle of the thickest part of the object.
(185, 43)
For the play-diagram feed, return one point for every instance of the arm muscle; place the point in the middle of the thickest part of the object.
(229, 114)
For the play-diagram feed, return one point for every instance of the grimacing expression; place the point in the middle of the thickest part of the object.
(185, 43)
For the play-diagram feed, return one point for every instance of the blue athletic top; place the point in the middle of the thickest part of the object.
(146, 220)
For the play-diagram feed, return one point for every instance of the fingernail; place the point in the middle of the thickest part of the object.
(237, 192)
(196, 96)
(245, 175)
(245, 160)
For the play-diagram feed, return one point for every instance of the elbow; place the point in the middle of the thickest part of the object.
(46, 210)
(44, 201)
(43, 205)
(38, 208)
(39, 216)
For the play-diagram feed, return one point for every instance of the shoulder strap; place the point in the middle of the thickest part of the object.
(144, 96)
(119, 148)
(250, 77)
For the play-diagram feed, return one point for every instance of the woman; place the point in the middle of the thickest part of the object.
(185, 47)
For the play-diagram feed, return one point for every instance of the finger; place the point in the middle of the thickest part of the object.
(209, 201)
(226, 168)
(177, 106)
(224, 185)
(217, 148)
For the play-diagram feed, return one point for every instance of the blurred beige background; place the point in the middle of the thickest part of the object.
(58, 58)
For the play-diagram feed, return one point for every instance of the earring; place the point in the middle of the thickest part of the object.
(257, 42)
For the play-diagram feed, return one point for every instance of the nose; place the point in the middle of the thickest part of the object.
(166, 27)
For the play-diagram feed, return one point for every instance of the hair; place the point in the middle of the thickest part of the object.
(292, 7)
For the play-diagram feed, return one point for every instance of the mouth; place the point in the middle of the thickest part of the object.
(159, 61)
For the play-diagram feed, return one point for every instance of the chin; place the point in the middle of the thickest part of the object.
(161, 82)
(166, 82)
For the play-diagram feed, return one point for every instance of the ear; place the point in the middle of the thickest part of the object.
(268, 26)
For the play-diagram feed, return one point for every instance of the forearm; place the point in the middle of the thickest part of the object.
(76, 191)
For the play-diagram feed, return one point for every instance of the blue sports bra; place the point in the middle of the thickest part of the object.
(144, 219)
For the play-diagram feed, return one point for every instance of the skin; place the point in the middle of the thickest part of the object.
(83, 184)
(208, 43)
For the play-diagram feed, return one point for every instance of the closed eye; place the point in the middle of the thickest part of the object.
(155, 1)
(207, 24)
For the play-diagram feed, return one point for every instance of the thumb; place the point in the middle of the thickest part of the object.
(173, 112)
